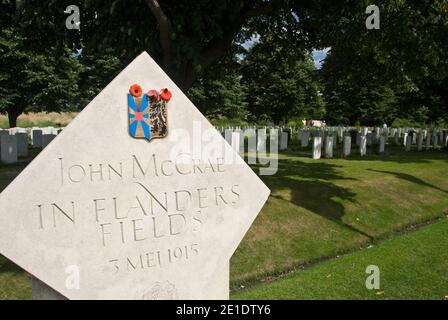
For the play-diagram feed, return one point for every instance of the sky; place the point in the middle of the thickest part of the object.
(319, 56)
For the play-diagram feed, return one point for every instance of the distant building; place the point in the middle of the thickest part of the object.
(314, 123)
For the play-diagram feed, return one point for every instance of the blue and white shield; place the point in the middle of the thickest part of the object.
(147, 117)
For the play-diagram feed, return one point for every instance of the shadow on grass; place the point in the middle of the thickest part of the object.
(308, 187)
(409, 178)
(7, 266)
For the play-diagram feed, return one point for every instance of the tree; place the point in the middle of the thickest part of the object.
(407, 55)
(185, 37)
(32, 79)
(355, 89)
(281, 82)
(220, 93)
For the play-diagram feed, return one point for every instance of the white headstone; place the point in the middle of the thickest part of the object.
(329, 142)
(435, 140)
(397, 138)
(408, 142)
(382, 144)
(131, 218)
(22, 144)
(347, 145)
(8, 148)
(236, 141)
(283, 141)
(363, 145)
(261, 140)
(405, 139)
(317, 147)
(428, 141)
(420, 141)
(36, 137)
(305, 139)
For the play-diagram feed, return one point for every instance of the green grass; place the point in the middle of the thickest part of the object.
(322, 208)
(412, 266)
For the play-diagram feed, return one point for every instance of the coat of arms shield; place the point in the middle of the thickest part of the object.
(147, 113)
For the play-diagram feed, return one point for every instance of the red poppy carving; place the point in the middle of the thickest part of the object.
(153, 95)
(135, 90)
(165, 94)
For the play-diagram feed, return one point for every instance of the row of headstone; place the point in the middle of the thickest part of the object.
(330, 137)
(14, 141)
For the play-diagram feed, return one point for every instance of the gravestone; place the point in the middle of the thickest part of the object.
(358, 139)
(36, 137)
(236, 141)
(317, 147)
(408, 142)
(8, 148)
(329, 141)
(397, 138)
(382, 144)
(405, 139)
(261, 140)
(347, 145)
(435, 140)
(108, 212)
(22, 144)
(305, 139)
(369, 137)
(428, 141)
(283, 141)
(47, 138)
(420, 141)
(363, 146)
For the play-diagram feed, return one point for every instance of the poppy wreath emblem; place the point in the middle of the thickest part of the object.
(147, 113)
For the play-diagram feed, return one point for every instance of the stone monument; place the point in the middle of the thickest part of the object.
(107, 212)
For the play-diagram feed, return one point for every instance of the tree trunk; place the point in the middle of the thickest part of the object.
(13, 114)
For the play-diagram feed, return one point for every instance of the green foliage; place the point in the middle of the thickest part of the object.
(352, 95)
(33, 80)
(98, 70)
(33, 76)
(280, 83)
(399, 70)
(220, 95)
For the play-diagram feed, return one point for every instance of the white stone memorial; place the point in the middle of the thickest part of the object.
(329, 142)
(304, 139)
(317, 147)
(382, 144)
(8, 149)
(363, 146)
(408, 142)
(347, 145)
(420, 141)
(100, 214)
(36, 137)
(283, 141)
(22, 144)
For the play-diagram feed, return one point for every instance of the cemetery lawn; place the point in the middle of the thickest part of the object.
(323, 208)
(412, 266)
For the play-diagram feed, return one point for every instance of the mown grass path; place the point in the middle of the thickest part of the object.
(412, 266)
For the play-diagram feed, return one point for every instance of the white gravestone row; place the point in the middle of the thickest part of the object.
(40, 138)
